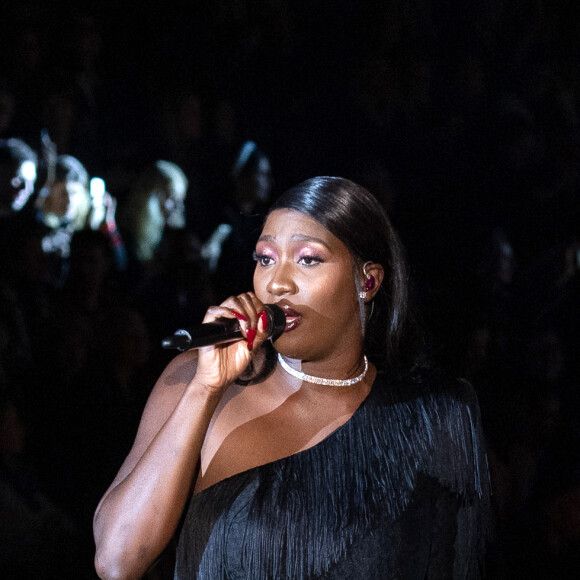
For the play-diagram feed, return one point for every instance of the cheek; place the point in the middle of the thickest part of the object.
(322, 293)
(333, 301)
(337, 302)
(260, 283)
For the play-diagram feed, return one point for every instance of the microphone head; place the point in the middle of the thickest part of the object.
(181, 340)
(276, 321)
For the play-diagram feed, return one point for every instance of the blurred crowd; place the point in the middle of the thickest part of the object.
(136, 165)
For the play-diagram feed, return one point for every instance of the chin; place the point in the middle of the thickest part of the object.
(292, 349)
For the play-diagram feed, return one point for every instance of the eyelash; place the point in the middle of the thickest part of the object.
(314, 260)
(260, 259)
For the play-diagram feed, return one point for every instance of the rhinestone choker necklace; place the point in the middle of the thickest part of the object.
(318, 381)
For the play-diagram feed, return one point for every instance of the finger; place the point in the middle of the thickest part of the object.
(247, 306)
(251, 336)
(230, 310)
(259, 332)
(215, 312)
(263, 322)
(251, 308)
(261, 314)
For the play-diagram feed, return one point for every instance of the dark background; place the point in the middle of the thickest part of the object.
(455, 112)
(462, 117)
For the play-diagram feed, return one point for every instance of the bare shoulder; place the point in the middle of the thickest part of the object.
(175, 377)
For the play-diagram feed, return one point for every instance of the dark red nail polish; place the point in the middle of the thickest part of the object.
(264, 318)
(238, 315)
(250, 336)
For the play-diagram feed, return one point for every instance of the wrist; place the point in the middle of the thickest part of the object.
(206, 390)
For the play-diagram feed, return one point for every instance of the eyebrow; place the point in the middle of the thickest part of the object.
(294, 238)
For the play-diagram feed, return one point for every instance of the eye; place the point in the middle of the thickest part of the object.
(309, 260)
(263, 260)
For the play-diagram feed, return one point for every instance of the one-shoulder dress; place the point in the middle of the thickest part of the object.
(401, 490)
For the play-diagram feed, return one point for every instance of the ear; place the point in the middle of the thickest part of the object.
(377, 272)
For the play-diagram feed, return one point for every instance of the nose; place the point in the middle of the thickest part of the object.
(281, 281)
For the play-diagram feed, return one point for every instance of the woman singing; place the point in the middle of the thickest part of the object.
(328, 453)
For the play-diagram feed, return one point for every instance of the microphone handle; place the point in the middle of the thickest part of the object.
(222, 330)
(226, 330)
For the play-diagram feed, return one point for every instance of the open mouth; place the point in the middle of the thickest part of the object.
(293, 318)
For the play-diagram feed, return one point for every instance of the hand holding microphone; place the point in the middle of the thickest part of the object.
(223, 330)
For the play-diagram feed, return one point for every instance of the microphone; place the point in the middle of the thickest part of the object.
(223, 330)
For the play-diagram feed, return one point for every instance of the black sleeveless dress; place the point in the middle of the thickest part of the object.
(399, 491)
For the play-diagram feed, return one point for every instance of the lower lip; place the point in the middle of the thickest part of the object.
(292, 323)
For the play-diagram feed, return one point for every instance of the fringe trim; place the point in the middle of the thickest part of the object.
(304, 511)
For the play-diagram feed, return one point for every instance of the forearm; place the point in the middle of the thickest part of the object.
(138, 516)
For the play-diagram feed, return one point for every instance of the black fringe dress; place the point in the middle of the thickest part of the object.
(399, 491)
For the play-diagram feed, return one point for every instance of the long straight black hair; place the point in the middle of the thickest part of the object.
(352, 214)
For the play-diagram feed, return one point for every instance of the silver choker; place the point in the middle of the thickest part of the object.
(318, 381)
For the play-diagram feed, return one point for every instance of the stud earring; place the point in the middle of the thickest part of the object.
(362, 295)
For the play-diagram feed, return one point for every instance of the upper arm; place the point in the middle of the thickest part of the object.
(163, 399)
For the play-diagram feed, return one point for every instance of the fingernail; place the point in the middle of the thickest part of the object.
(238, 315)
(250, 336)
(264, 320)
